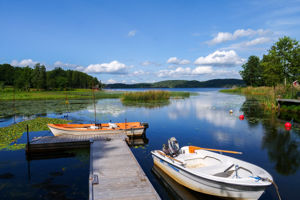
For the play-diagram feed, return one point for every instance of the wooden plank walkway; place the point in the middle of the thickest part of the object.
(116, 173)
(289, 101)
(57, 143)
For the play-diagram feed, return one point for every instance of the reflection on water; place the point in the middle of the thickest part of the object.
(177, 191)
(32, 107)
(147, 104)
(253, 111)
(42, 179)
(202, 120)
(282, 145)
(137, 142)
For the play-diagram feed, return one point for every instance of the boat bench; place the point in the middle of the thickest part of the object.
(221, 170)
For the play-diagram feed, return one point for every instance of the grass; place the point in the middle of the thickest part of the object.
(10, 134)
(8, 94)
(267, 95)
(146, 96)
(152, 96)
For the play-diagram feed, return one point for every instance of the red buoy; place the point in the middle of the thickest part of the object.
(241, 117)
(288, 126)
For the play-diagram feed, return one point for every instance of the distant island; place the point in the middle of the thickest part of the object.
(214, 83)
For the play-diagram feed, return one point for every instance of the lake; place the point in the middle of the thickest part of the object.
(203, 120)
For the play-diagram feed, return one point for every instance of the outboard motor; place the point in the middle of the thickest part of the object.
(173, 146)
(165, 149)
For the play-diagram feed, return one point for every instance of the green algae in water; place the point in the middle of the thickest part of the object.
(13, 132)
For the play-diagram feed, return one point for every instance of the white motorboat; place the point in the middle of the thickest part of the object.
(211, 173)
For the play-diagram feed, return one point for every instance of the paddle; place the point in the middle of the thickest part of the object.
(193, 148)
(163, 154)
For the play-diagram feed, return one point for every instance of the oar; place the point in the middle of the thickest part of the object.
(219, 150)
(163, 154)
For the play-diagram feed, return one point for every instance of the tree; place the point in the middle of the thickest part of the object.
(272, 72)
(7, 74)
(252, 73)
(23, 78)
(283, 59)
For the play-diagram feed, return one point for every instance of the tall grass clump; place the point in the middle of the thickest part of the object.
(146, 96)
(181, 94)
(267, 95)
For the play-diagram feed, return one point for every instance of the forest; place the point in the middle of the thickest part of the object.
(26, 78)
(214, 83)
(281, 65)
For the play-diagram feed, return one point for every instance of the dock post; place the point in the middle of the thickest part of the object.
(28, 142)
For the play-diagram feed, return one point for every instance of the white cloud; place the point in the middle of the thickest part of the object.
(247, 44)
(177, 61)
(138, 73)
(79, 68)
(113, 67)
(220, 58)
(23, 63)
(260, 40)
(66, 65)
(180, 71)
(147, 62)
(226, 36)
(111, 81)
(131, 33)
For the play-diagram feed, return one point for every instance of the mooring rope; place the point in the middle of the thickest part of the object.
(269, 180)
(276, 188)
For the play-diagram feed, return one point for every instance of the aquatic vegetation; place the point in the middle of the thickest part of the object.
(182, 95)
(8, 94)
(150, 105)
(152, 95)
(266, 95)
(11, 133)
(40, 107)
(145, 96)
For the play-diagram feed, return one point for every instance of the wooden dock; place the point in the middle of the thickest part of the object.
(288, 102)
(114, 171)
(116, 174)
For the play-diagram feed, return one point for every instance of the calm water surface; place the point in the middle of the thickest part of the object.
(201, 120)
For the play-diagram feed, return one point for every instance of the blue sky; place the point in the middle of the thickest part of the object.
(144, 41)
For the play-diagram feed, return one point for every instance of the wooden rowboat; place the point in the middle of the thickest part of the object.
(213, 173)
(130, 128)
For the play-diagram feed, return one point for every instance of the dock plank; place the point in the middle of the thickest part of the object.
(119, 174)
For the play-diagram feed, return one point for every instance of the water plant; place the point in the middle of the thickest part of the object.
(8, 94)
(266, 95)
(10, 134)
(146, 96)
(152, 95)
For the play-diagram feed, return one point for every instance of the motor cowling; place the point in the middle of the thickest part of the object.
(173, 146)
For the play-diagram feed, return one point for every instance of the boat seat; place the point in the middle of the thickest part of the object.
(221, 170)
(225, 174)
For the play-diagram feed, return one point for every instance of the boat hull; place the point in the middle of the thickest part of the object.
(57, 131)
(207, 186)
